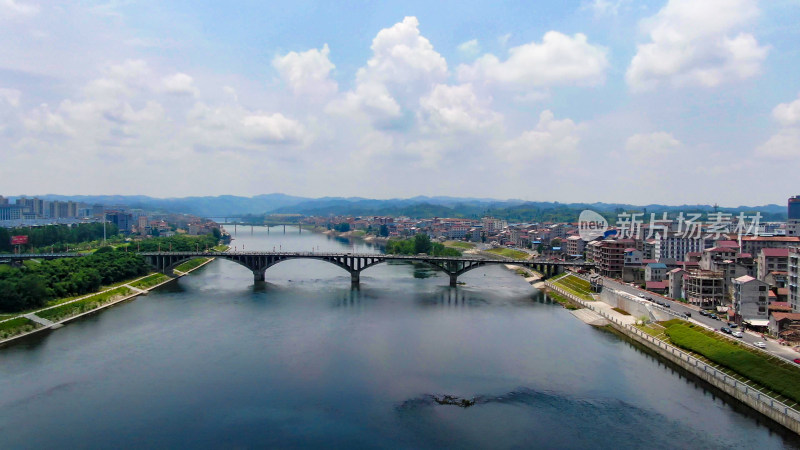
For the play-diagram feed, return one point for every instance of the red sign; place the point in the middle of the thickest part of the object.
(19, 240)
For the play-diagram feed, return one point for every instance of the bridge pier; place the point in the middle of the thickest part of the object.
(258, 276)
(355, 277)
(453, 280)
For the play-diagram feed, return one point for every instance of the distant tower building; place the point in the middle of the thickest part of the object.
(793, 223)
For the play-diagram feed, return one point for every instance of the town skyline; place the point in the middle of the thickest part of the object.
(584, 101)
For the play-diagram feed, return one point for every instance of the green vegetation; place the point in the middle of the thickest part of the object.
(57, 237)
(16, 326)
(220, 248)
(420, 243)
(509, 253)
(780, 378)
(150, 280)
(81, 306)
(33, 286)
(177, 243)
(459, 244)
(191, 264)
(564, 301)
(575, 285)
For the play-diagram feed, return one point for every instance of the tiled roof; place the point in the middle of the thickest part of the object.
(775, 252)
(783, 316)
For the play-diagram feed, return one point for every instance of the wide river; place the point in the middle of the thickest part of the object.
(213, 360)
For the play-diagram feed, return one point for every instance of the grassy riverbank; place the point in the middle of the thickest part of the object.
(574, 285)
(81, 306)
(191, 264)
(509, 253)
(563, 301)
(461, 245)
(781, 378)
(16, 326)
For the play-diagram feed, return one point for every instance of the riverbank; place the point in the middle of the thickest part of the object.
(768, 406)
(39, 320)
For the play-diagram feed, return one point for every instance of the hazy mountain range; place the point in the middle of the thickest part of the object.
(513, 209)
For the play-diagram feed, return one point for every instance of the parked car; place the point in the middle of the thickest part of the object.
(725, 330)
(797, 360)
(732, 325)
(737, 334)
(703, 312)
(760, 344)
(666, 305)
(687, 314)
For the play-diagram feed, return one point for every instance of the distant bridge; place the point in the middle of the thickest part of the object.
(259, 262)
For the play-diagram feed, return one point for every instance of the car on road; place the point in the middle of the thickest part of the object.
(760, 344)
(797, 360)
(703, 312)
(725, 330)
(666, 305)
(737, 334)
(687, 314)
(641, 295)
(732, 325)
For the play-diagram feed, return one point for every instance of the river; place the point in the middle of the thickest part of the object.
(302, 360)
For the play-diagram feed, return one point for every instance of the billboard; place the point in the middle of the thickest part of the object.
(19, 240)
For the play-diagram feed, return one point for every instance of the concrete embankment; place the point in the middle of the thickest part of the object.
(135, 292)
(764, 404)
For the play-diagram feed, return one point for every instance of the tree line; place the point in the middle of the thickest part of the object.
(56, 235)
(33, 285)
(420, 243)
(178, 243)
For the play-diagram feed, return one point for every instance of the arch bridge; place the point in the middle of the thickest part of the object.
(259, 262)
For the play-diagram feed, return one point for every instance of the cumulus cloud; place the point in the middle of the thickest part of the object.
(10, 96)
(307, 73)
(272, 129)
(403, 67)
(651, 147)
(550, 139)
(785, 145)
(693, 43)
(17, 8)
(451, 109)
(558, 60)
(788, 113)
(602, 8)
(179, 84)
(470, 49)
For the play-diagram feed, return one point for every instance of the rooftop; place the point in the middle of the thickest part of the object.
(775, 252)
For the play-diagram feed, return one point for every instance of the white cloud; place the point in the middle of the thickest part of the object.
(503, 40)
(307, 73)
(272, 129)
(691, 43)
(179, 84)
(451, 109)
(785, 145)
(788, 113)
(43, 120)
(17, 8)
(550, 139)
(651, 147)
(604, 7)
(403, 67)
(470, 49)
(10, 96)
(558, 60)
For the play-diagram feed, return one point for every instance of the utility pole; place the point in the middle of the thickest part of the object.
(104, 228)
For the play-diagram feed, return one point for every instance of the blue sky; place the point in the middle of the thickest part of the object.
(671, 101)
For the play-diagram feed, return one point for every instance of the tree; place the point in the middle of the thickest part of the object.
(422, 243)
(384, 231)
(217, 234)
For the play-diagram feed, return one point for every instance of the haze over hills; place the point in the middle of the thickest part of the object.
(420, 206)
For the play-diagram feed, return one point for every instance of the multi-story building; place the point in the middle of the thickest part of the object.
(750, 301)
(574, 245)
(793, 278)
(633, 257)
(675, 283)
(655, 272)
(492, 225)
(122, 220)
(754, 244)
(705, 288)
(772, 260)
(675, 246)
(793, 222)
(3, 200)
(612, 256)
(10, 212)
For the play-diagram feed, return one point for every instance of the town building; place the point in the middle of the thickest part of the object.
(675, 279)
(793, 221)
(574, 245)
(655, 272)
(750, 301)
(705, 288)
(793, 278)
(771, 260)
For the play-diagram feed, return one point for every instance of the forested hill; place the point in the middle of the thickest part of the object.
(418, 207)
